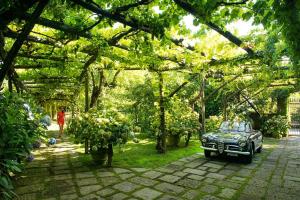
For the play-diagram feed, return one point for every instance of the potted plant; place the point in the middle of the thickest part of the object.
(101, 132)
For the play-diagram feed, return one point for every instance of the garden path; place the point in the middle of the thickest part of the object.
(57, 174)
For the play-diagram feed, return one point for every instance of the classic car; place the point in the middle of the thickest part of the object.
(233, 139)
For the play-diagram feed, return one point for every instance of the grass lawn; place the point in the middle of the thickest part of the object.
(144, 154)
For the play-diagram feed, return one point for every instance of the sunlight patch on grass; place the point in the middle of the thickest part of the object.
(144, 154)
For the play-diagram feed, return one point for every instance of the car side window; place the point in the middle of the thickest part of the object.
(224, 126)
(248, 127)
(242, 127)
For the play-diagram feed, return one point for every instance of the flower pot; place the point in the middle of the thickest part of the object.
(173, 140)
(99, 156)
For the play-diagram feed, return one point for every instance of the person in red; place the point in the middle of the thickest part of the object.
(61, 120)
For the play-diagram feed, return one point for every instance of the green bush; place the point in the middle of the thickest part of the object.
(276, 127)
(212, 123)
(99, 130)
(17, 132)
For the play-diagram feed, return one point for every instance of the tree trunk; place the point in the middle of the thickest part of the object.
(86, 143)
(97, 90)
(7, 63)
(202, 107)
(161, 138)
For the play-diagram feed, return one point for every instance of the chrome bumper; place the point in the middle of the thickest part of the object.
(227, 151)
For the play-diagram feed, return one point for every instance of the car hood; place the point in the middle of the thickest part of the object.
(226, 136)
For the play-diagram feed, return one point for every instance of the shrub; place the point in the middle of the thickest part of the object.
(212, 123)
(99, 130)
(276, 127)
(18, 130)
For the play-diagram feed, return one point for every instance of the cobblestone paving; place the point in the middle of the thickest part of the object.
(274, 174)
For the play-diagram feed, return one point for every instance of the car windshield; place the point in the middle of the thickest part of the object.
(235, 126)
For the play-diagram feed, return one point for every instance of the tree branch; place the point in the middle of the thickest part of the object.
(133, 5)
(134, 23)
(232, 38)
(7, 63)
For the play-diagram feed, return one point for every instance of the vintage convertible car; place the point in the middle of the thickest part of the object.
(233, 139)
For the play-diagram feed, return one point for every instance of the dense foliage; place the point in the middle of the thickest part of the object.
(18, 130)
(277, 126)
(100, 130)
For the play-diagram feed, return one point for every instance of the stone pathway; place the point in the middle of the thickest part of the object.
(57, 174)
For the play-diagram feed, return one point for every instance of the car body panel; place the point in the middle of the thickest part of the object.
(235, 139)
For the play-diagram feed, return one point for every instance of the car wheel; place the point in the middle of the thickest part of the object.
(207, 153)
(259, 149)
(248, 158)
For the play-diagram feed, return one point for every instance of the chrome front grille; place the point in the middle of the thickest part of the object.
(221, 147)
(233, 147)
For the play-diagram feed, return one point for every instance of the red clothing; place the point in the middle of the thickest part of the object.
(61, 118)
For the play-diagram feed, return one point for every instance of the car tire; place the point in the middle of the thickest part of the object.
(259, 149)
(207, 153)
(248, 158)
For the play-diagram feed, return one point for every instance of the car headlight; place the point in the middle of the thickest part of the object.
(242, 144)
(204, 140)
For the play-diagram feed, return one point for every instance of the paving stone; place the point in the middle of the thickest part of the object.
(227, 193)
(209, 189)
(202, 168)
(228, 184)
(174, 167)
(121, 170)
(126, 176)
(152, 174)
(191, 194)
(209, 180)
(215, 176)
(119, 196)
(106, 181)
(244, 173)
(58, 172)
(69, 196)
(238, 179)
(292, 178)
(166, 170)
(27, 196)
(169, 197)
(226, 172)
(180, 174)
(87, 181)
(209, 197)
(213, 165)
(212, 169)
(30, 189)
(147, 193)
(189, 183)
(179, 163)
(62, 177)
(143, 181)
(169, 178)
(126, 186)
(193, 164)
(195, 177)
(106, 192)
(253, 190)
(91, 197)
(194, 171)
(105, 174)
(139, 169)
(85, 175)
(169, 188)
(84, 190)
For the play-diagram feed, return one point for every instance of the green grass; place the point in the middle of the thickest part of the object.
(144, 154)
